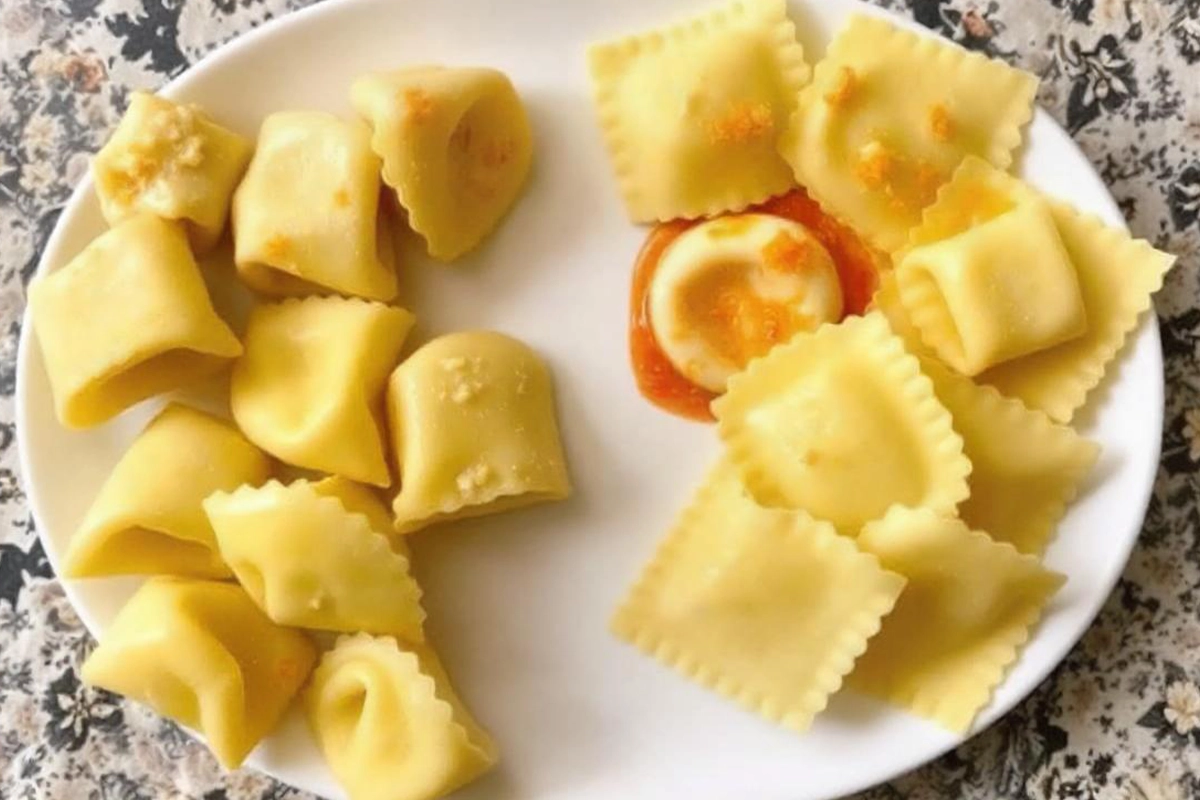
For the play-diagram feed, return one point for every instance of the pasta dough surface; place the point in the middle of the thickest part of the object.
(691, 112)
(456, 146)
(310, 562)
(890, 114)
(841, 422)
(126, 319)
(997, 291)
(475, 431)
(390, 724)
(307, 216)
(309, 389)
(148, 517)
(171, 160)
(966, 612)
(766, 606)
(201, 653)
(1117, 276)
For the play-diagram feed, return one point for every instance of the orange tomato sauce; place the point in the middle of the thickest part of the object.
(657, 379)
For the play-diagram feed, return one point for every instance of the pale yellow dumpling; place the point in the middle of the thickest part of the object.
(841, 423)
(171, 160)
(309, 389)
(147, 518)
(126, 319)
(201, 653)
(307, 217)
(456, 146)
(691, 113)
(309, 561)
(359, 499)
(475, 431)
(389, 722)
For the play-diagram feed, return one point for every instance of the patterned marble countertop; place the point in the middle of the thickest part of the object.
(1119, 719)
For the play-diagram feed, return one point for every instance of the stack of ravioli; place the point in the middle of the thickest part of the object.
(889, 483)
(265, 535)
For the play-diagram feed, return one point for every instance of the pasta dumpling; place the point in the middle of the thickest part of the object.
(148, 517)
(309, 389)
(173, 161)
(390, 724)
(307, 217)
(201, 653)
(359, 499)
(473, 423)
(968, 608)
(767, 606)
(309, 561)
(126, 319)
(456, 146)
(841, 422)
(691, 113)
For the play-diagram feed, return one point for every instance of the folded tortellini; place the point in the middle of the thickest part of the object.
(126, 319)
(148, 517)
(310, 561)
(201, 653)
(474, 427)
(456, 146)
(171, 160)
(309, 389)
(691, 113)
(390, 724)
(307, 216)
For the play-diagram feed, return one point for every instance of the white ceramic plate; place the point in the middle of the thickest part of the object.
(519, 603)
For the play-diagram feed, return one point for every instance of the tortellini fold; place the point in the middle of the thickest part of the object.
(171, 160)
(201, 653)
(389, 722)
(474, 427)
(456, 146)
(310, 561)
(307, 217)
(309, 389)
(148, 517)
(126, 319)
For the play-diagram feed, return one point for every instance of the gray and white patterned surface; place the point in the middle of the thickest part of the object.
(1119, 719)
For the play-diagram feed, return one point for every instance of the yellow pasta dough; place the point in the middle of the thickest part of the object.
(359, 499)
(1116, 274)
(389, 722)
(147, 518)
(1025, 468)
(966, 612)
(691, 113)
(996, 291)
(890, 114)
(201, 653)
(475, 432)
(309, 561)
(766, 606)
(841, 423)
(309, 389)
(307, 217)
(126, 319)
(174, 161)
(456, 146)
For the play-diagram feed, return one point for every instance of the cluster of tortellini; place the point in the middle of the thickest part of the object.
(889, 482)
(257, 533)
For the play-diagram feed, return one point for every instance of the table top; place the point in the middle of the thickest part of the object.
(1120, 718)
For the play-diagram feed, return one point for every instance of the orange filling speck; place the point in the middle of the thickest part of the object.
(786, 253)
(420, 105)
(842, 91)
(277, 248)
(876, 166)
(742, 123)
(941, 124)
(341, 198)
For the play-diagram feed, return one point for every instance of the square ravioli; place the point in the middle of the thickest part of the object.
(1116, 274)
(173, 161)
(126, 319)
(967, 610)
(691, 113)
(766, 606)
(1025, 468)
(841, 423)
(890, 114)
